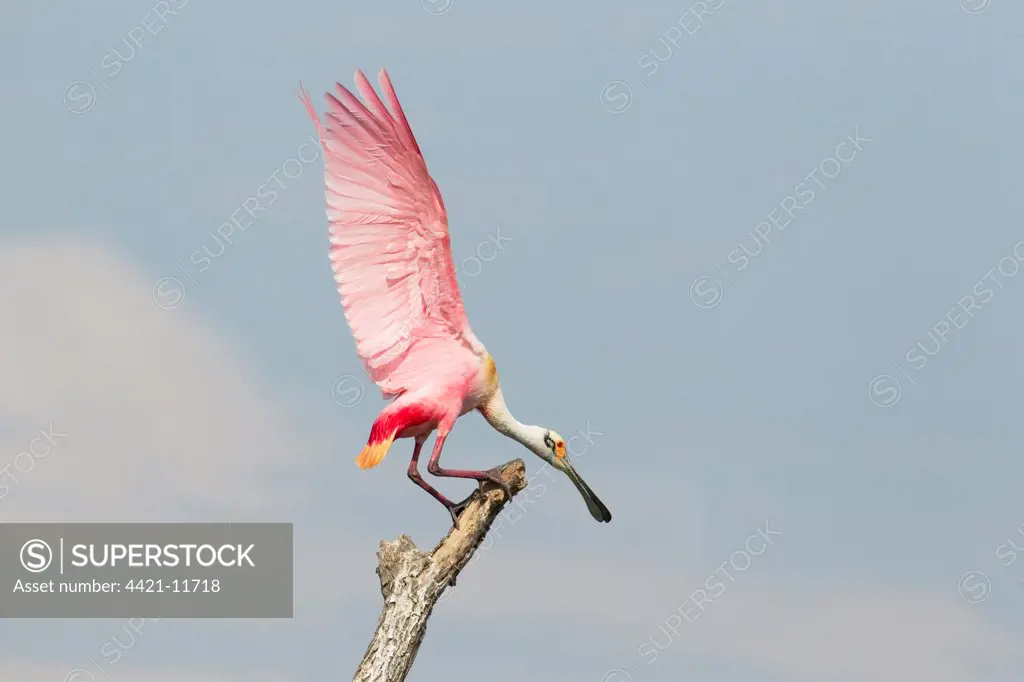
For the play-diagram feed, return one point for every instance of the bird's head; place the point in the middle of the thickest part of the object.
(551, 447)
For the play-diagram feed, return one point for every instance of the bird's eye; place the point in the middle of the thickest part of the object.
(559, 445)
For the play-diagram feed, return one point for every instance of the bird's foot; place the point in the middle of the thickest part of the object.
(457, 508)
(494, 476)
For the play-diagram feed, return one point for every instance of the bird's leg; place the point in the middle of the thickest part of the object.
(454, 508)
(414, 474)
(493, 475)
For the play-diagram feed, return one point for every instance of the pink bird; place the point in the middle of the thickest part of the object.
(391, 256)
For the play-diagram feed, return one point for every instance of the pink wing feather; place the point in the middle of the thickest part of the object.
(390, 250)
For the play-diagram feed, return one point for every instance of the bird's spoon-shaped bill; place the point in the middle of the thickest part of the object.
(594, 504)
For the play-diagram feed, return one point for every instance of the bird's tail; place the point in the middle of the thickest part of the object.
(391, 421)
(381, 437)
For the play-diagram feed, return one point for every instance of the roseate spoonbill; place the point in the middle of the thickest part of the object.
(391, 256)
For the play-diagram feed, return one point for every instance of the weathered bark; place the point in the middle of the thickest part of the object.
(412, 582)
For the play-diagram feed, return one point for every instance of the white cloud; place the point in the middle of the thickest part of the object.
(886, 635)
(160, 416)
(842, 633)
(155, 416)
(26, 671)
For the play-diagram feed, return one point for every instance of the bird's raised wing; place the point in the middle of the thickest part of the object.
(390, 250)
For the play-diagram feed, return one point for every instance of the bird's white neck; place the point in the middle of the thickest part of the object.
(497, 415)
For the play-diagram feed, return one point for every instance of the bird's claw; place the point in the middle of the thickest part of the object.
(494, 476)
(456, 509)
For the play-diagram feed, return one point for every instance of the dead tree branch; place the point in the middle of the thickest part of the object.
(412, 582)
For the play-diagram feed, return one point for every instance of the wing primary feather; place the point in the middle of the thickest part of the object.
(389, 246)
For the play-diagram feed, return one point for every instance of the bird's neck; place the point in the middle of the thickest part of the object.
(497, 415)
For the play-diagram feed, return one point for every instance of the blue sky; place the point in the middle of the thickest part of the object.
(719, 398)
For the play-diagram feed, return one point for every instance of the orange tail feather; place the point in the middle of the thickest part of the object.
(373, 453)
(387, 426)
